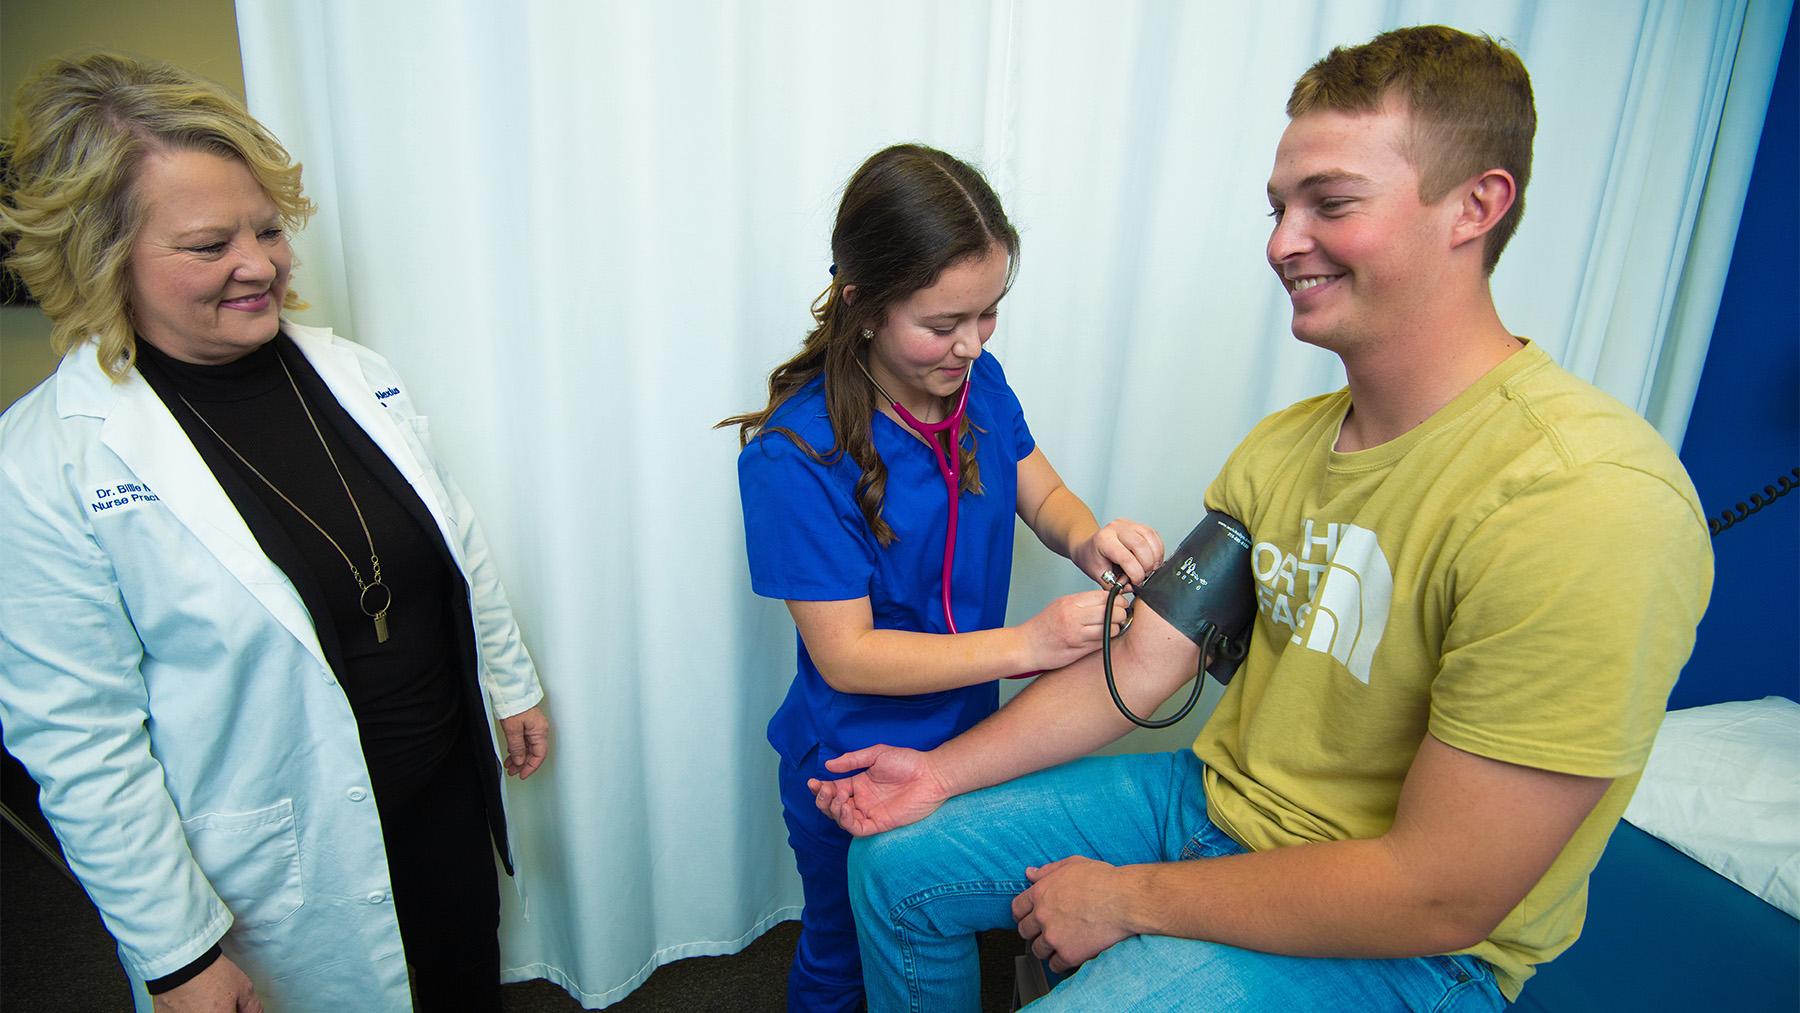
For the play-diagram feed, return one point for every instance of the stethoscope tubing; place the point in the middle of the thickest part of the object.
(949, 464)
(949, 469)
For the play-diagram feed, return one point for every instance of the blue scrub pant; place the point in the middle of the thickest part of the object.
(827, 972)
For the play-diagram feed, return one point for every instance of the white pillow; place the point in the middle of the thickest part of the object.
(1723, 787)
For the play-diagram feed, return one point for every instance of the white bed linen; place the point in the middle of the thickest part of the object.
(1723, 787)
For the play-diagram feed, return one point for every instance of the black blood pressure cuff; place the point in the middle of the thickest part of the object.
(1205, 590)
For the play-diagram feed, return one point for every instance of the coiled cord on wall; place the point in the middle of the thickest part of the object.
(1784, 484)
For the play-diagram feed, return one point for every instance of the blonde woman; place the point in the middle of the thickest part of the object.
(252, 646)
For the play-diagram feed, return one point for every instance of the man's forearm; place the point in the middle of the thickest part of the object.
(1068, 713)
(1470, 837)
(1334, 899)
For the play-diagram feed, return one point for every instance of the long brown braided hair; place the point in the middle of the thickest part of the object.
(908, 213)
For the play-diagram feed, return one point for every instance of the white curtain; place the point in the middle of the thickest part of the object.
(585, 231)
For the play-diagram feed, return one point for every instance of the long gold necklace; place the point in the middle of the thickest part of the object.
(383, 596)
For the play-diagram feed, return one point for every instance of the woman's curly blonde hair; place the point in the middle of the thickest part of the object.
(67, 202)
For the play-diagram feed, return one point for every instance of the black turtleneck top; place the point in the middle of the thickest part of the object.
(403, 692)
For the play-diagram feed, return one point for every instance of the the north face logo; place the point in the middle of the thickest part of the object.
(1344, 587)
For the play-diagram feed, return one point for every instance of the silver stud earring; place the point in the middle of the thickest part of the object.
(868, 335)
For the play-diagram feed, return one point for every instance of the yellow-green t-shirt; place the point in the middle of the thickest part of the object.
(1520, 576)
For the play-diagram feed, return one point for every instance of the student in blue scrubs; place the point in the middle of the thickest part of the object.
(845, 512)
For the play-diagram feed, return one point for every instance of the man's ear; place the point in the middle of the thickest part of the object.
(1485, 200)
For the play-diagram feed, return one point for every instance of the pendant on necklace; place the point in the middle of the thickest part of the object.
(386, 600)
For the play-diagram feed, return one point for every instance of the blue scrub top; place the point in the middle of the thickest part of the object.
(808, 541)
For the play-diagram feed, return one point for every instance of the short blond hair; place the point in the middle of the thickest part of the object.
(1469, 98)
(67, 201)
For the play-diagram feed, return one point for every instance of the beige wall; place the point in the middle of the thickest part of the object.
(198, 35)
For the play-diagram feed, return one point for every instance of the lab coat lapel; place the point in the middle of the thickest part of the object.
(140, 430)
(337, 365)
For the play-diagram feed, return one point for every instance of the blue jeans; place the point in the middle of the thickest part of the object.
(920, 894)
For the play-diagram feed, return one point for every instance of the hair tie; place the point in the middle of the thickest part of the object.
(833, 270)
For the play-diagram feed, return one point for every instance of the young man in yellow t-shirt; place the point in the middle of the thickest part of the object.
(1477, 578)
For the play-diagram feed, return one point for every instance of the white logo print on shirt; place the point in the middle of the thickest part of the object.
(1348, 590)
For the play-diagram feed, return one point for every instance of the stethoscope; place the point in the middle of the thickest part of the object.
(948, 465)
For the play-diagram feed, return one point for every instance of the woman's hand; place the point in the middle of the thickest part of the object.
(1070, 628)
(221, 988)
(1132, 551)
(527, 741)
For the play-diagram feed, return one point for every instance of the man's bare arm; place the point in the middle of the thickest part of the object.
(1064, 715)
(1068, 713)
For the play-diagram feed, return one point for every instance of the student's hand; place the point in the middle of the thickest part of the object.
(1072, 911)
(1070, 628)
(221, 988)
(1132, 551)
(527, 741)
(898, 787)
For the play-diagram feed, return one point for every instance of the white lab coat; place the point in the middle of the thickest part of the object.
(162, 680)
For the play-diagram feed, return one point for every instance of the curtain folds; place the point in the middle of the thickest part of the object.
(585, 231)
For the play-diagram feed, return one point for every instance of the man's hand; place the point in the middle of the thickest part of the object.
(527, 741)
(221, 988)
(899, 787)
(1073, 910)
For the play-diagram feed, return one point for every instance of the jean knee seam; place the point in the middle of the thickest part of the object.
(903, 932)
(914, 994)
(905, 905)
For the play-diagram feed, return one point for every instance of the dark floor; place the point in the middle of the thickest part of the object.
(55, 955)
(750, 980)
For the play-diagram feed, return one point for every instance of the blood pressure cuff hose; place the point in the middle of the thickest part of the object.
(1205, 590)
